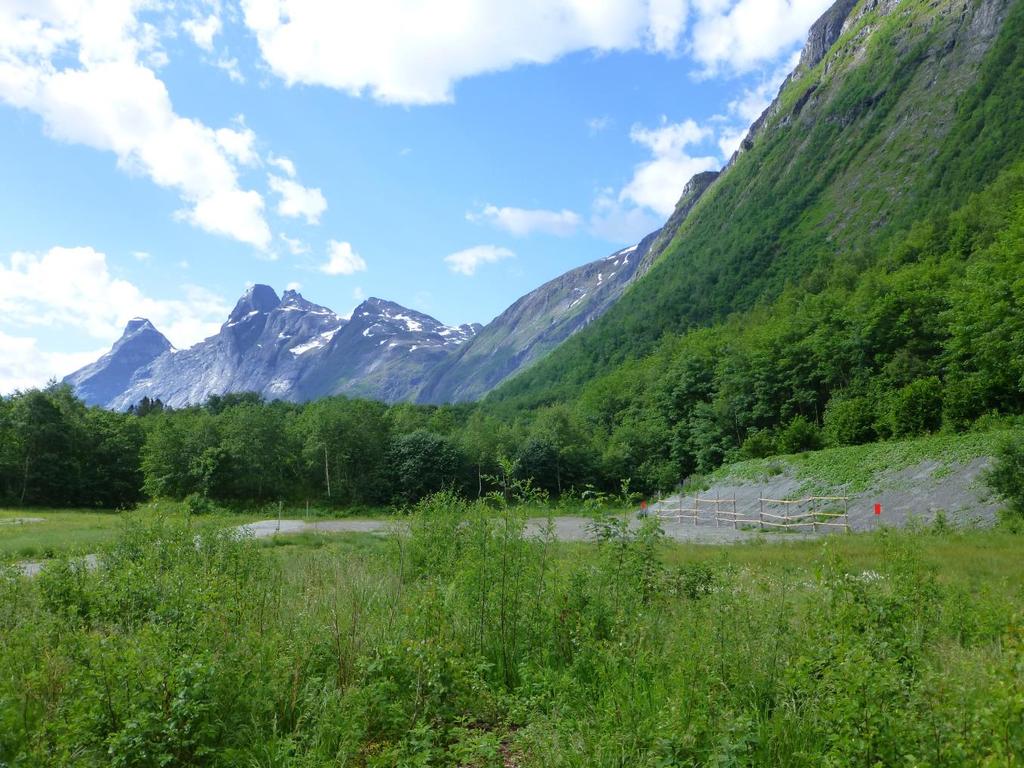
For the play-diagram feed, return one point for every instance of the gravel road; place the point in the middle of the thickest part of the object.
(567, 528)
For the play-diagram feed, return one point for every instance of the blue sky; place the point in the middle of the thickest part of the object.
(450, 155)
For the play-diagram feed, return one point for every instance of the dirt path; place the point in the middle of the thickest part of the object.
(567, 528)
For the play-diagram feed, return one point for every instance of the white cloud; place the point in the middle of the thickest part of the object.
(298, 201)
(282, 163)
(230, 65)
(523, 221)
(78, 66)
(342, 260)
(750, 104)
(239, 145)
(729, 140)
(360, 48)
(597, 124)
(142, 255)
(620, 223)
(72, 290)
(667, 20)
(295, 246)
(358, 293)
(466, 262)
(293, 286)
(739, 36)
(657, 183)
(24, 366)
(202, 31)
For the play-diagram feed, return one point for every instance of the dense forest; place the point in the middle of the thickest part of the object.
(237, 448)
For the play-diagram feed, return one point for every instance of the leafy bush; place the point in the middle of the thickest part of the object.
(422, 462)
(200, 504)
(1006, 477)
(759, 445)
(850, 420)
(916, 409)
(962, 403)
(800, 435)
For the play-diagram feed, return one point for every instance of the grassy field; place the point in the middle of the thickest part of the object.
(77, 532)
(456, 641)
(59, 532)
(80, 531)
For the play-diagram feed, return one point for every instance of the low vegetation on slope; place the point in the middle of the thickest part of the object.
(462, 643)
(855, 469)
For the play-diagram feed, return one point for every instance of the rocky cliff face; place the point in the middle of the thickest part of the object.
(533, 326)
(824, 33)
(384, 352)
(103, 381)
(291, 349)
(288, 348)
(285, 348)
(261, 348)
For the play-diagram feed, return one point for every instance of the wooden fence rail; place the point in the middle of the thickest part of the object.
(812, 512)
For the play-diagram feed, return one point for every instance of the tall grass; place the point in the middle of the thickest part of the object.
(461, 642)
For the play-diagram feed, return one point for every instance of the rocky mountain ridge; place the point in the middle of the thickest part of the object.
(291, 349)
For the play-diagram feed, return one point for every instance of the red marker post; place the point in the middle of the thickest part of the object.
(878, 509)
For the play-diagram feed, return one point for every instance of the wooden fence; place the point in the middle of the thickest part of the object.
(707, 509)
(812, 512)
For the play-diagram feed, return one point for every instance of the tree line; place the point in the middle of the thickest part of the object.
(927, 336)
(55, 451)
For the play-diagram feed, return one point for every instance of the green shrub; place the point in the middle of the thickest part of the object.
(470, 642)
(963, 401)
(758, 445)
(800, 435)
(850, 420)
(1006, 477)
(200, 504)
(916, 409)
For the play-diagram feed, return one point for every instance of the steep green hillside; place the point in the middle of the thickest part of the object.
(917, 106)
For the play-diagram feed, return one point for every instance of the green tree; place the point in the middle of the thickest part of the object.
(800, 435)
(422, 463)
(916, 409)
(114, 476)
(181, 454)
(43, 451)
(256, 451)
(850, 420)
